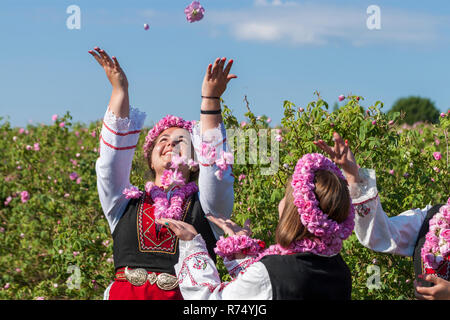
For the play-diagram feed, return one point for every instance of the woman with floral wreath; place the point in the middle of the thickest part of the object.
(316, 215)
(145, 252)
(423, 234)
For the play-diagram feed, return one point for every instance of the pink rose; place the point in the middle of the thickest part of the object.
(132, 193)
(177, 160)
(24, 196)
(445, 234)
(62, 124)
(341, 97)
(54, 117)
(194, 12)
(437, 156)
(73, 176)
(8, 200)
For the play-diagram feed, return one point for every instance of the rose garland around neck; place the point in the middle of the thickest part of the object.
(173, 208)
(436, 249)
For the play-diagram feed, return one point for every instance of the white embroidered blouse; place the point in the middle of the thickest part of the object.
(374, 228)
(199, 279)
(118, 140)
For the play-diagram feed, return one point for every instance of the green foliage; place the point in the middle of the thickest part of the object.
(62, 224)
(416, 109)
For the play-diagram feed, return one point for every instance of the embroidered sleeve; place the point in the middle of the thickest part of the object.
(199, 280)
(235, 267)
(215, 183)
(118, 140)
(374, 228)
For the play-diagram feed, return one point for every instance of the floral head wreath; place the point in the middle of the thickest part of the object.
(167, 122)
(311, 216)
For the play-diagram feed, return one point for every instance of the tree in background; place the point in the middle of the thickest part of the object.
(416, 109)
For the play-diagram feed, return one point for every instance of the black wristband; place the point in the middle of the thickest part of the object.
(210, 111)
(216, 98)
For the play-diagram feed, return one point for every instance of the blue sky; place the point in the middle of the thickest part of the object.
(283, 50)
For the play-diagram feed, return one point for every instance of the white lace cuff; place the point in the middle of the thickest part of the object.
(366, 190)
(134, 122)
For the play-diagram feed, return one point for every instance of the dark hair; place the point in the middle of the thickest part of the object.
(334, 200)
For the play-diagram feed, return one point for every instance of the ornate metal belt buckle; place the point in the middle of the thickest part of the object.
(136, 277)
(166, 281)
(152, 277)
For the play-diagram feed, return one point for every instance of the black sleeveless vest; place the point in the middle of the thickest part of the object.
(135, 248)
(417, 258)
(306, 276)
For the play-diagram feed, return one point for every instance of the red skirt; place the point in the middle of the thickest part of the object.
(121, 289)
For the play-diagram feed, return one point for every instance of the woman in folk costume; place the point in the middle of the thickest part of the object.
(423, 234)
(316, 215)
(145, 252)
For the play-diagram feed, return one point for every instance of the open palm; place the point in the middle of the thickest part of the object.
(341, 154)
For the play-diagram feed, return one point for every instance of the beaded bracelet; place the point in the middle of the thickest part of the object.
(229, 246)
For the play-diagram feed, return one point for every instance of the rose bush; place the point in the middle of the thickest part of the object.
(55, 242)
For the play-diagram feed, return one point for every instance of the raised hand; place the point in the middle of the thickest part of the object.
(112, 68)
(119, 103)
(216, 78)
(214, 85)
(342, 156)
(229, 227)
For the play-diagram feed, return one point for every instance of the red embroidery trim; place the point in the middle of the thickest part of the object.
(240, 267)
(184, 271)
(168, 243)
(116, 148)
(120, 133)
(355, 204)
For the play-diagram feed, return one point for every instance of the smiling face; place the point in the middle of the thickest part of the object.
(171, 141)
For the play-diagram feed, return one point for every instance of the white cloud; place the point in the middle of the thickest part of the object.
(265, 3)
(313, 24)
